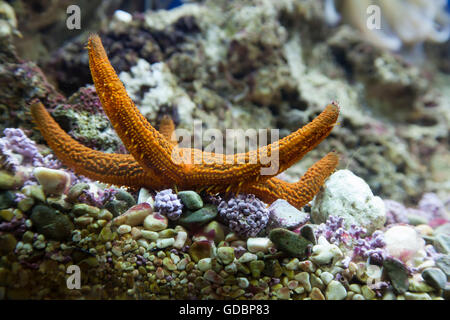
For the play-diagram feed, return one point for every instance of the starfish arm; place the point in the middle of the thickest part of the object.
(167, 128)
(301, 192)
(154, 152)
(144, 142)
(118, 169)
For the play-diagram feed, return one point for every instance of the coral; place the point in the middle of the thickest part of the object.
(244, 214)
(395, 212)
(15, 226)
(17, 149)
(168, 204)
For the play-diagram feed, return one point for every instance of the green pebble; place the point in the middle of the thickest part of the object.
(51, 223)
(398, 274)
(81, 209)
(122, 195)
(272, 268)
(198, 217)
(435, 278)
(191, 199)
(7, 243)
(76, 191)
(6, 199)
(256, 267)
(25, 204)
(116, 207)
(442, 243)
(289, 242)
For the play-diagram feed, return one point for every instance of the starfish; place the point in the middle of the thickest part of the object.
(156, 162)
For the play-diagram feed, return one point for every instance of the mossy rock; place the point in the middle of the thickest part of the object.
(51, 223)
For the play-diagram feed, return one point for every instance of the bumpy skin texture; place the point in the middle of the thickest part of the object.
(156, 162)
(156, 153)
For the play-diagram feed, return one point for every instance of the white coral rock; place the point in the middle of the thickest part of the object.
(324, 252)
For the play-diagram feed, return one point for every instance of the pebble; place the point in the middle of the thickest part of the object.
(51, 223)
(150, 235)
(145, 197)
(198, 217)
(7, 180)
(255, 245)
(324, 252)
(191, 199)
(247, 257)
(242, 282)
(442, 243)
(283, 293)
(226, 255)
(164, 243)
(135, 233)
(6, 199)
(292, 264)
(316, 282)
(212, 276)
(204, 264)
(316, 294)
(52, 181)
(284, 215)
(443, 263)
(326, 277)
(307, 232)
(435, 278)
(7, 243)
(200, 249)
(335, 291)
(368, 293)
(124, 228)
(417, 296)
(289, 242)
(358, 297)
(155, 222)
(81, 209)
(35, 192)
(214, 231)
(356, 288)
(397, 273)
(256, 267)
(136, 215)
(180, 240)
(303, 279)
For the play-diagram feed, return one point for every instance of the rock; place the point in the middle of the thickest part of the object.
(316, 282)
(134, 216)
(289, 242)
(443, 263)
(225, 254)
(397, 273)
(7, 180)
(123, 195)
(81, 209)
(324, 252)
(145, 196)
(346, 195)
(155, 222)
(307, 232)
(200, 250)
(417, 296)
(256, 267)
(124, 228)
(303, 279)
(415, 219)
(435, 278)
(445, 229)
(416, 285)
(247, 257)
(76, 190)
(403, 242)
(272, 268)
(106, 234)
(198, 217)
(6, 214)
(7, 243)
(53, 181)
(368, 293)
(204, 264)
(191, 199)
(149, 235)
(316, 294)
(6, 199)
(442, 243)
(214, 231)
(35, 192)
(180, 240)
(164, 243)
(255, 245)
(284, 215)
(335, 291)
(326, 277)
(51, 223)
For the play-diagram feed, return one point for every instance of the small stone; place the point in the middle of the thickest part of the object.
(214, 231)
(403, 242)
(145, 196)
(26, 204)
(443, 263)
(255, 245)
(316, 282)
(324, 252)
(283, 293)
(289, 242)
(191, 199)
(358, 297)
(76, 190)
(116, 207)
(164, 243)
(225, 255)
(180, 240)
(415, 220)
(326, 277)
(7, 180)
(272, 268)
(200, 249)
(204, 264)
(417, 296)
(242, 282)
(292, 264)
(356, 288)
(6, 214)
(124, 228)
(307, 232)
(442, 243)
(284, 215)
(136, 233)
(6, 199)
(81, 209)
(424, 229)
(83, 220)
(106, 234)
(416, 285)
(435, 278)
(149, 235)
(51, 223)
(398, 274)
(104, 214)
(155, 222)
(34, 191)
(212, 276)
(256, 267)
(368, 293)
(136, 215)
(316, 294)
(247, 257)
(198, 217)
(335, 291)
(7, 243)
(303, 279)
(167, 233)
(52, 181)
(125, 196)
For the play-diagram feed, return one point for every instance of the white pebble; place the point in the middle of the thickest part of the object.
(259, 244)
(164, 243)
(124, 228)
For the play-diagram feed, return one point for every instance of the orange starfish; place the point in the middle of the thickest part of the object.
(156, 162)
